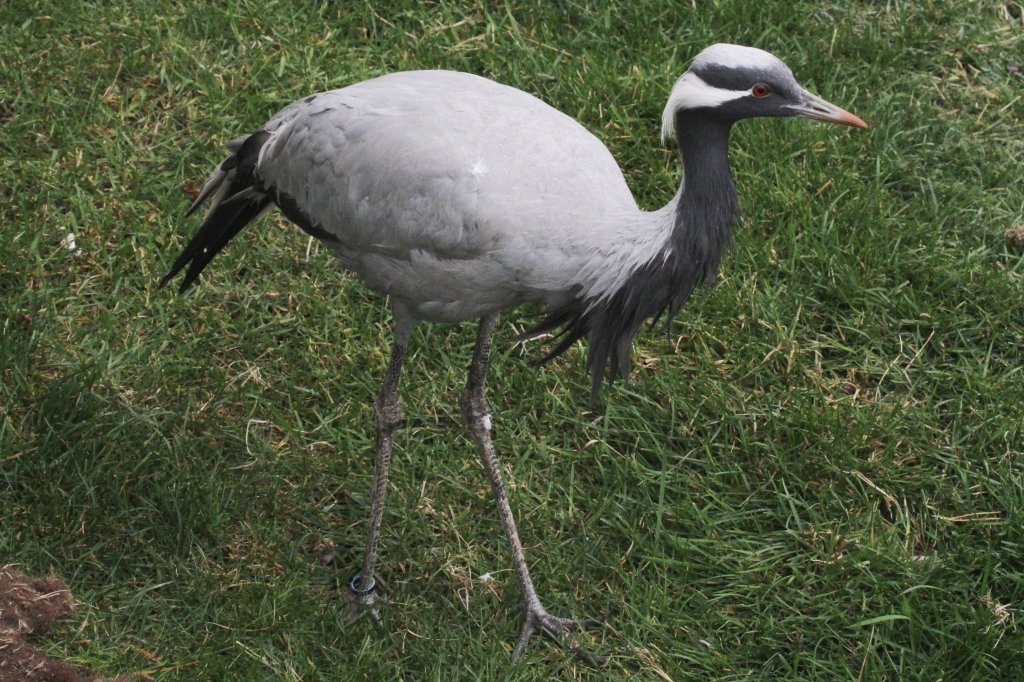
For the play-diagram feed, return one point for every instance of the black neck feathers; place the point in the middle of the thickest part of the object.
(708, 205)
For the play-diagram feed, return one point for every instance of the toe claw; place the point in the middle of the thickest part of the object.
(524, 638)
(587, 656)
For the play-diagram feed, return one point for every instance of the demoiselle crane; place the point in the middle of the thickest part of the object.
(458, 197)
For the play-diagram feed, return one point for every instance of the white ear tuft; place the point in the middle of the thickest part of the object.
(668, 116)
(691, 92)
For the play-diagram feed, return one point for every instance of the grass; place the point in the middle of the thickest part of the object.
(815, 476)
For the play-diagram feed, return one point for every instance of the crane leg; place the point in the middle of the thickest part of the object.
(476, 419)
(389, 419)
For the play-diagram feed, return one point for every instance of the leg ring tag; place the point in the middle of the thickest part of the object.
(354, 585)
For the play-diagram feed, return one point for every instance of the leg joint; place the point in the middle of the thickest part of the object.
(473, 409)
(389, 413)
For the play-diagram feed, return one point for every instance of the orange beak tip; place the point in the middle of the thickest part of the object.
(857, 122)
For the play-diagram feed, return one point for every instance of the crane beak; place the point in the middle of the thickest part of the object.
(815, 107)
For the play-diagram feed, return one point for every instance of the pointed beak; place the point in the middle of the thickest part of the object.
(815, 107)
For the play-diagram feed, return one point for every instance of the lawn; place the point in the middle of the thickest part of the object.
(813, 476)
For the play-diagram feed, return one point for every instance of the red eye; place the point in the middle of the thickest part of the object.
(760, 90)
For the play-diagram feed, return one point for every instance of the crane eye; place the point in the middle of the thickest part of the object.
(760, 90)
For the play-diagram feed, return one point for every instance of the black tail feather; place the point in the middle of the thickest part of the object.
(234, 208)
(223, 223)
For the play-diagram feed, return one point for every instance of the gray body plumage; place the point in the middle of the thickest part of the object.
(439, 198)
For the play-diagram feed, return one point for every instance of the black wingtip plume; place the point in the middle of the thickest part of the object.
(234, 207)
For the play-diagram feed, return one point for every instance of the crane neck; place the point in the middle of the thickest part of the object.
(707, 203)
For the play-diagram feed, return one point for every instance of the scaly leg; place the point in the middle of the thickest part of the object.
(477, 421)
(389, 418)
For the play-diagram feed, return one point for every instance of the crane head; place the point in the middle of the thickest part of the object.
(733, 82)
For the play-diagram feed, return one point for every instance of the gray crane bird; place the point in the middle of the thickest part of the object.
(458, 198)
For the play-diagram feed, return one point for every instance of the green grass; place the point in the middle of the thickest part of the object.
(816, 476)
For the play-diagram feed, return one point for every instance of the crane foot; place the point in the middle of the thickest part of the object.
(536, 619)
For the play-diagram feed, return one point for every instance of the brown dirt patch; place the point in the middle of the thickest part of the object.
(28, 604)
(1015, 235)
